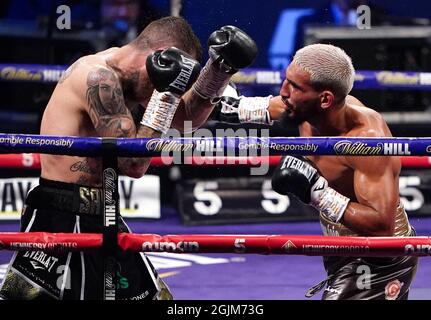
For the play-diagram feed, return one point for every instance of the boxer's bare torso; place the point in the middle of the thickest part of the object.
(360, 121)
(103, 95)
(67, 114)
(338, 170)
(371, 181)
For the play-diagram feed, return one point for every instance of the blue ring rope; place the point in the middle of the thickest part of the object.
(145, 147)
(364, 79)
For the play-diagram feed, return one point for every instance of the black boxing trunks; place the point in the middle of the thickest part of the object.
(35, 275)
(369, 278)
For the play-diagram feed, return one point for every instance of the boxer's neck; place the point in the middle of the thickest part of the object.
(331, 122)
(126, 61)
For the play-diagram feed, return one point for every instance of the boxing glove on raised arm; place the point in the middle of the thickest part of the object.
(232, 48)
(297, 176)
(229, 49)
(172, 73)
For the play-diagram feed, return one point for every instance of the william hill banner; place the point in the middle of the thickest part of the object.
(139, 198)
(251, 199)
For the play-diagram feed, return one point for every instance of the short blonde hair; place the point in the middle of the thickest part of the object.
(329, 67)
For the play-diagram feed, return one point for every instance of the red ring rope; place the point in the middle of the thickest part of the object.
(32, 161)
(263, 244)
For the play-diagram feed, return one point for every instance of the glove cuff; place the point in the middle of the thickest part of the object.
(160, 111)
(329, 202)
(211, 81)
(254, 110)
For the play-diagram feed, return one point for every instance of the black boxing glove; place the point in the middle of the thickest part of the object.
(298, 176)
(230, 49)
(172, 70)
(172, 73)
(232, 108)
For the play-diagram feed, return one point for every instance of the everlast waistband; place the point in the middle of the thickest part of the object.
(67, 197)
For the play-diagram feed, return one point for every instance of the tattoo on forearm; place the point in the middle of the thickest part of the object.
(108, 111)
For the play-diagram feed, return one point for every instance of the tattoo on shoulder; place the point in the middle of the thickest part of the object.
(105, 99)
(69, 71)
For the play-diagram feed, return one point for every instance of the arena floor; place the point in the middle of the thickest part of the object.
(243, 277)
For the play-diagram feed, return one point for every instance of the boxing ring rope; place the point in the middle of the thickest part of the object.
(32, 161)
(364, 79)
(111, 148)
(222, 243)
(415, 152)
(149, 147)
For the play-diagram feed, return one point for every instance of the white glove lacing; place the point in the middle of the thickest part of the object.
(329, 202)
(254, 110)
(160, 111)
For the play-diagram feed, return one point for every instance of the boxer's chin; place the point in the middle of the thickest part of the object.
(290, 118)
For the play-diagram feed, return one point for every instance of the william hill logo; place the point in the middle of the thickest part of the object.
(345, 147)
(396, 78)
(160, 145)
(396, 149)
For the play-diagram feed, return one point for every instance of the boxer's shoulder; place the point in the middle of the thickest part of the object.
(88, 72)
(353, 100)
(72, 70)
(366, 122)
(78, 72)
